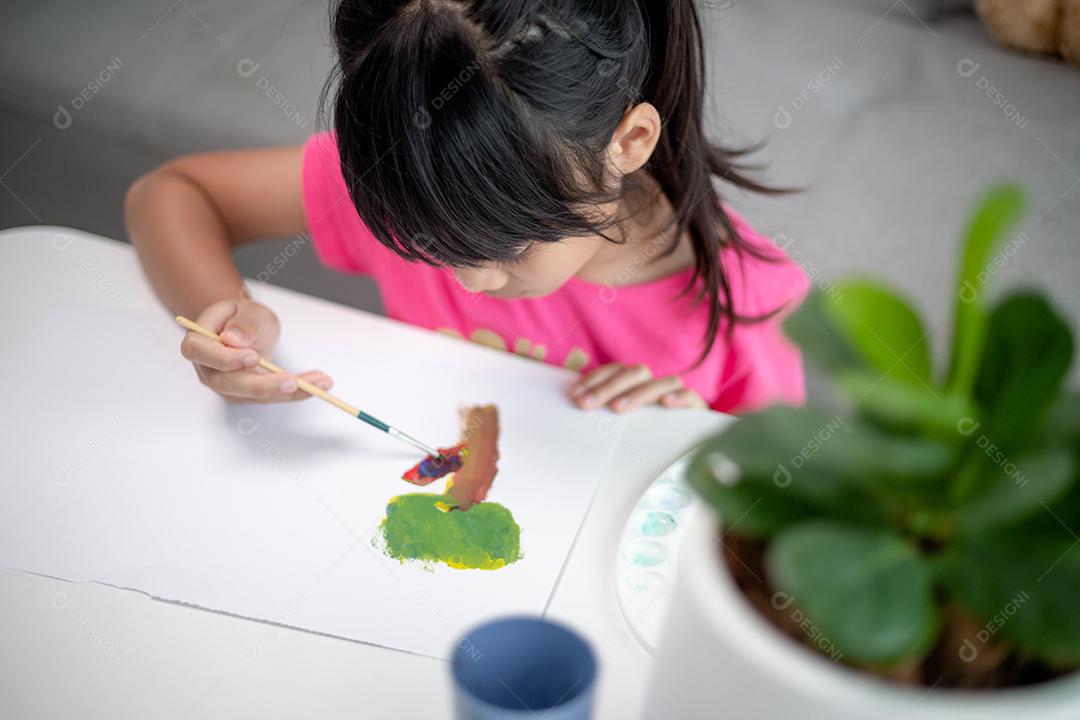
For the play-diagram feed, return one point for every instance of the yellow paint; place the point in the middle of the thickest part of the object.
(491, 564)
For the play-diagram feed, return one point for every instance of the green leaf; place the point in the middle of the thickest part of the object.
(741, 474)
(869, 592)
(750, 509)
(1065, 512)
(812, 329)
(999, 209)
(1028, 351)
(901, 407)
(897, 400)
(883, 329)
(799, 463)
(1012, 492)
(1063, 420)
(1022, 584)
(804, 438)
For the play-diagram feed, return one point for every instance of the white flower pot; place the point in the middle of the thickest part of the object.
(719, 658)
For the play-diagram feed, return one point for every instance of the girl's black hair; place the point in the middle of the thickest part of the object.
(468, 129)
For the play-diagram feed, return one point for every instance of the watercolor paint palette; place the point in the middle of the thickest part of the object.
(648, 552)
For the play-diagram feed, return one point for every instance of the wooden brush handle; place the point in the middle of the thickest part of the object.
(267, 365)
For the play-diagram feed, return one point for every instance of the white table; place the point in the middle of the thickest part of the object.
(88, 650)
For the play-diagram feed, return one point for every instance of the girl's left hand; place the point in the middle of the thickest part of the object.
(626, 387)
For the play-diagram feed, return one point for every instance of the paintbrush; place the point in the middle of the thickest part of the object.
(323, 395)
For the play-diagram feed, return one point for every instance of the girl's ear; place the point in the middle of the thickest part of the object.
(634, 139)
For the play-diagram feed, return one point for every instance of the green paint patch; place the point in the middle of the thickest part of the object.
(417, 528)
(657, 523)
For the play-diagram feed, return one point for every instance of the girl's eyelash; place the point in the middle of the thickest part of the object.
(519, 257)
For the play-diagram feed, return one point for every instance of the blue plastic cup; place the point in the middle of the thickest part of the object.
(523, 667)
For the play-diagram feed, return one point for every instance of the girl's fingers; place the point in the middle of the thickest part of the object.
(253, 325)
(201, 350)
(646, 394)
(618, 383)
(684, 398)
(217, 314)
(230, 367)
(593, 378)
(249, 386)
(315, 377)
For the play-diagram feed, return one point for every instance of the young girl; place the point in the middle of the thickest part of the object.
(533, 175)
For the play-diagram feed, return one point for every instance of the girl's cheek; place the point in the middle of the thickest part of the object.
(486, 280)
(543, 282)
(556, 263)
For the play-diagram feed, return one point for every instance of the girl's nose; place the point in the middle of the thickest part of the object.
(482, 279)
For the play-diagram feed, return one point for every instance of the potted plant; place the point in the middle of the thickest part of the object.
(909, 545)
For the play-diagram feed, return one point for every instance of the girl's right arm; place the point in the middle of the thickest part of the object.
(184, 218)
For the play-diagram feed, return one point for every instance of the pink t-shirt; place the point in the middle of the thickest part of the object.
(581, 325)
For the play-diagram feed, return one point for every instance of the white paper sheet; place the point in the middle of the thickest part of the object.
(119, 468)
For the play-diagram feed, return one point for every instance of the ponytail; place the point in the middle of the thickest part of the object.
(520, 157)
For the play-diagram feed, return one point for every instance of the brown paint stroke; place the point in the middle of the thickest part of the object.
(480, 435)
